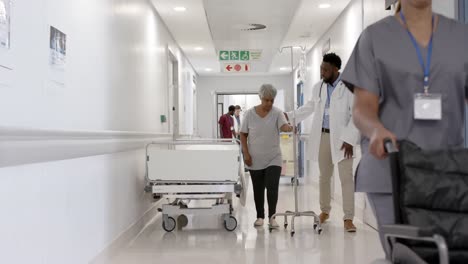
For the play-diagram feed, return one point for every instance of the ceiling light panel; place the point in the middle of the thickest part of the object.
(324, 6)
(180, 9)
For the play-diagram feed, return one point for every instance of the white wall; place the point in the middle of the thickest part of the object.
(446, 7)
(67, 211)
(186, 101)
(208, 86)
(115, 79)
(246, 101)
(374, 11)
(115, 57)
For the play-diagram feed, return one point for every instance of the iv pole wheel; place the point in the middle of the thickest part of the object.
(294, 179)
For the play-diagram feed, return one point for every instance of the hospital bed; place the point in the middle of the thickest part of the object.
(185, 170)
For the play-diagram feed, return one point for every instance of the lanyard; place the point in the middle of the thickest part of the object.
(327, 103)
(320, 91)
(426, 68)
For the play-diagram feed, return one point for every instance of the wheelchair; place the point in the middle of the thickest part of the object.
(430, 196)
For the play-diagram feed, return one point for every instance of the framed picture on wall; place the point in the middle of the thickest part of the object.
(5, 12)
(6, 56)
(57, 58)
(58, 48)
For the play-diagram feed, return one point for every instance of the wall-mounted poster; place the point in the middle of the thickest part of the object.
(58, 48)
(5, 9)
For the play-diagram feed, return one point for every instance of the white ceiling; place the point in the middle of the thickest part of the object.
(216, 25)
(226, 19)
(309, 23)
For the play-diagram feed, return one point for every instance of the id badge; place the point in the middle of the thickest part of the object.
(427, 106)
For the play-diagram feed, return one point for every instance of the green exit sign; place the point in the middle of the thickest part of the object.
(224, 55)
(244, 55)
(234, 55)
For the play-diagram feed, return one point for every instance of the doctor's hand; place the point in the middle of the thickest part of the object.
(348, 150)
(376, 147)
(247, 159)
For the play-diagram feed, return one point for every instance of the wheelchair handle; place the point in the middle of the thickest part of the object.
(389, 146)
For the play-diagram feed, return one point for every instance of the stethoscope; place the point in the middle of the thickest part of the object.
(320, 92)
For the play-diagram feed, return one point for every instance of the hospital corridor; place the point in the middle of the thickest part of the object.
(249, 131)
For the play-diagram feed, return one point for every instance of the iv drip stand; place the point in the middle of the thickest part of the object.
(296, 212)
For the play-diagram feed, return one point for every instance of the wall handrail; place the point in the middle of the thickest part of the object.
(20, 146)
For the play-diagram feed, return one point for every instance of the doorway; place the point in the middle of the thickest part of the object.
(224, 100)
(173, 92)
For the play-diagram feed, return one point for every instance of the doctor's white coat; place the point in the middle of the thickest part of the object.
(342, 128)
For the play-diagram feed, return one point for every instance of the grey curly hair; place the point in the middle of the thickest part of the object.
(267, 91)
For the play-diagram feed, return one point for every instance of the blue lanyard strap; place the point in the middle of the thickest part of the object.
(427, 67)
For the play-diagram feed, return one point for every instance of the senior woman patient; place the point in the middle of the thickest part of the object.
(260, 140)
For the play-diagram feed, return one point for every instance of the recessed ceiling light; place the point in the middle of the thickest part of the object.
(208, 69)
(180, 9)
(198, 48)
(284, 69)
(323, 6)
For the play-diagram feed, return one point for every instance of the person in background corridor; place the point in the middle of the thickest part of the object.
(226, 124)
(237, 121)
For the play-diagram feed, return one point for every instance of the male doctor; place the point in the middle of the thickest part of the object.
(332, 136)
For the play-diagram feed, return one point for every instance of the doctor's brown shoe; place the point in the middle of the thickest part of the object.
(349, 226)
(323, 217)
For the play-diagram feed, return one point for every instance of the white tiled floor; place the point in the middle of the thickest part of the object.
(205, 240)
